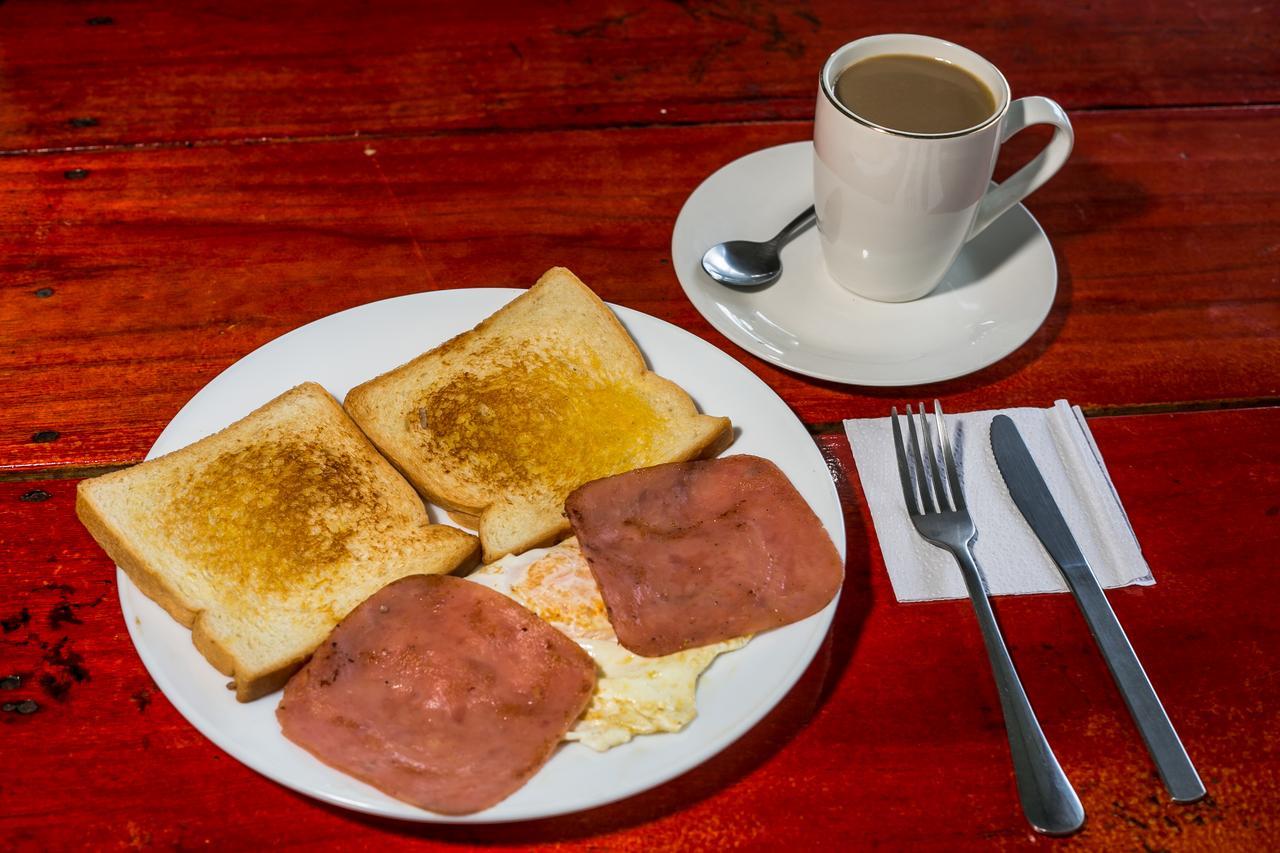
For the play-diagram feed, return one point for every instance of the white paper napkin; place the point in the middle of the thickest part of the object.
(1011, 557)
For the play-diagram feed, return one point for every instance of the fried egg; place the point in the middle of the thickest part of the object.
(634, 695)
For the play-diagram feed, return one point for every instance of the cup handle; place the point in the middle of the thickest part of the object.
(1023, 113)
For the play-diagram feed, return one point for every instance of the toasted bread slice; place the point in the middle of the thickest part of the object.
(503, 421)
(262, 537)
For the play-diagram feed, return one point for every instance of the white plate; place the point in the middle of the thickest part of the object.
(343, 350)
(992, 300)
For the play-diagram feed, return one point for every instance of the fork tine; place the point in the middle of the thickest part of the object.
(931, 451)
(949, 461)
(927, 503)
(900, 450)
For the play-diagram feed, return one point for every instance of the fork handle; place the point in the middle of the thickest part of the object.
(1048, 800)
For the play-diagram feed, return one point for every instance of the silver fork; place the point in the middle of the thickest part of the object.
(1048, 800)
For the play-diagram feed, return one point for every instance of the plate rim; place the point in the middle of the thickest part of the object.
(696, 295)
(196, 717)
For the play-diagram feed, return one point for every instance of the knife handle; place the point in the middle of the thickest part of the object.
(1048, 800)
(1171, 759)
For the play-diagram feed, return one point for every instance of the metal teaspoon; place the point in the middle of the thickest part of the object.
(746, 263)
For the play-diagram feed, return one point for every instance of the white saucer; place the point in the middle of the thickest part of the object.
(992, 300)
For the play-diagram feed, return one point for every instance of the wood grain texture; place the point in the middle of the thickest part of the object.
(893, 738)
(130, 71)
(130, 279)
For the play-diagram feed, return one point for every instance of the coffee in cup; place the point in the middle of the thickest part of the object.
(906, 134)
(915, 94)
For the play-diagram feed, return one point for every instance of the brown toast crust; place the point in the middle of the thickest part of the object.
(125, 557)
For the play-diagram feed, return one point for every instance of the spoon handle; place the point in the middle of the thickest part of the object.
(796, 227)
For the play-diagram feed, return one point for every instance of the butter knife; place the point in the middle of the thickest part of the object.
(1037, 506)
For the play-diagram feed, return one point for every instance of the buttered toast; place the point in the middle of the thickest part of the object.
(502, 422)
(263, 536)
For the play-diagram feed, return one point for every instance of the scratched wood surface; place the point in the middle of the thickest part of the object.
(154, 270)
(180, 183)
(893, 737)
(130, 71)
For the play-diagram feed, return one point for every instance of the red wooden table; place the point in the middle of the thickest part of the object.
(180, 183)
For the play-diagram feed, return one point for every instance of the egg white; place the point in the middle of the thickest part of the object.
(634, 695)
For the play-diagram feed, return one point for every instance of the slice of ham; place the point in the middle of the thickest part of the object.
(439, 692)
(693, 553)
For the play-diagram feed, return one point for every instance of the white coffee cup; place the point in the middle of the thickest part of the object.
(895, 208)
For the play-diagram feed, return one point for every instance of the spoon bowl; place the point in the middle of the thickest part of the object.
(743, 263)
(747, 263)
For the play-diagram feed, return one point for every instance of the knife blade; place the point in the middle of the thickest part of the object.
(1036, 503)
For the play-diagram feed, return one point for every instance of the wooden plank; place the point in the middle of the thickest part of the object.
(137, 72)
(892, 738)
(125, 290)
